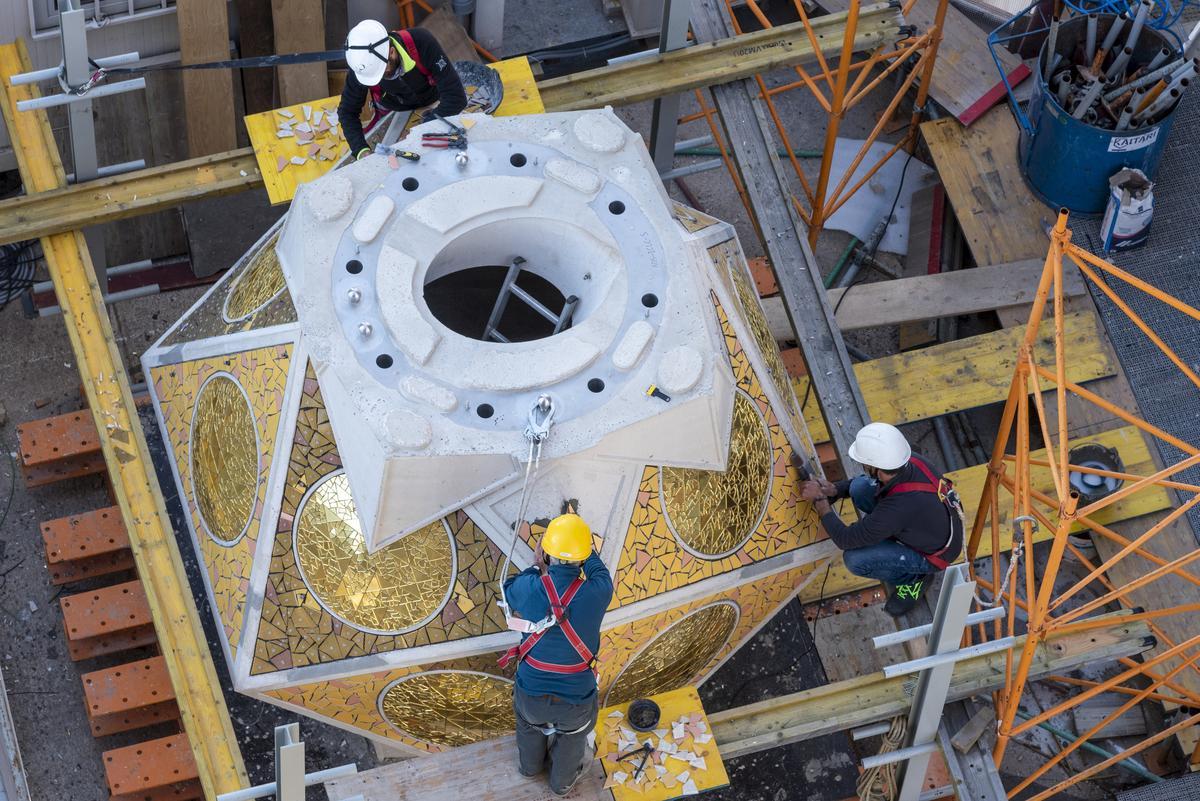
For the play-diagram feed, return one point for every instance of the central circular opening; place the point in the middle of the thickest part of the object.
(518, 280)
(466, 300)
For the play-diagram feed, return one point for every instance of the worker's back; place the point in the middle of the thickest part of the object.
(527, 598)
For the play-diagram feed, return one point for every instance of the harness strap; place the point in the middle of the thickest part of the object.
(558, 608)
(934, 486)
(411, 46)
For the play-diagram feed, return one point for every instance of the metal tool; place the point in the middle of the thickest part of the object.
(440, 140)
(654, 392)
(645, 749)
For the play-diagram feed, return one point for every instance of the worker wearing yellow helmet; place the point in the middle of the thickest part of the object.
(561, 599)
(910, 517)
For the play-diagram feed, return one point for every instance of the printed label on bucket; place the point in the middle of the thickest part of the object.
(1124, 144)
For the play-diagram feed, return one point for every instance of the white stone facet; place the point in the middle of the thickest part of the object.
(633, 345)
(426, 392)
(370, 221)
(333, 200)
(599, 132)
(680, 369)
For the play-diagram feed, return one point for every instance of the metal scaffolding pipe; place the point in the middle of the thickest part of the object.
(1138, 22)
(103, 90)
(1114, 31)
(51, 73)
(1090, 48)
(1147, 79)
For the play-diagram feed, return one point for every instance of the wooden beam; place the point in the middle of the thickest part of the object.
(717, 58)
(927, 297)
(300, 28)
(208, 94)
(158, 188)
(131, 473)
(785, 238)
(487, 771)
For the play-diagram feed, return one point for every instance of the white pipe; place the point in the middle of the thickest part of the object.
(898, 637)
(899, 755)
(1088, 99)
(52, 72)
(1064, 88)
(1160, 104)
(1147, 79)
(260, 790)
(916, 665)
(1159, 59)
(1090, 48)
(113, 169)
(1138, 22)
(1117, 70)
(1193, 37)
(1114, 30)
(126, 294)
(104, 90)
(1127, 113)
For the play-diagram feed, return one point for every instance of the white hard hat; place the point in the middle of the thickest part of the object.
(367, 49)
(880, 445)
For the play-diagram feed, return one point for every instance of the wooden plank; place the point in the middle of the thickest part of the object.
(208, 94)
(270, 150)
(716, 58)
(487, 771)
(521, 95)
(966, 737)
(965, 374)
(123, 443)
(256, 38)
(842, 643)
(450, 35)
(1000, 218)
(969, 482)
(785, 238)
(300, 28)
(928, 297)
(145, 766)
(1129, 724)
(964, 72)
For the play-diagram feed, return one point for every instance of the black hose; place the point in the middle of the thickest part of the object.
(18, 266)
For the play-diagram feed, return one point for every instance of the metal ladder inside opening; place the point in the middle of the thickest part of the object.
(508, 289)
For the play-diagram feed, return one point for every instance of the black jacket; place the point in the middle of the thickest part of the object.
(917, 519)
(405, 91)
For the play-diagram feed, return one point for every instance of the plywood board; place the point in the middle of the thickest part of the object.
(271, 151)
(520, 88)
(965, 374)
(450, 35)
(1000, 218)
(969, 482)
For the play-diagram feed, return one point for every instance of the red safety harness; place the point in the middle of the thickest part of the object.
(558, 608)
(410, 47)
(944, 489)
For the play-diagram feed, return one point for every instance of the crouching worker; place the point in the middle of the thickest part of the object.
(558, 604)
(911, 522)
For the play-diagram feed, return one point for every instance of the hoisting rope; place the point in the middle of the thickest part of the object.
(541, 416)
(1018, 549)
(879, 783)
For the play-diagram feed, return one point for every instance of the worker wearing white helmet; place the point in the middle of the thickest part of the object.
(399, 71)
(911, 521)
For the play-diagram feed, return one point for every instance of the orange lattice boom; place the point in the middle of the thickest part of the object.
(1062, 511)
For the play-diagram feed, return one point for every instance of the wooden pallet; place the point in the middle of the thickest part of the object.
(154, 770)
(107, 620)
(88, 545)
(129, 696)
(58, 448)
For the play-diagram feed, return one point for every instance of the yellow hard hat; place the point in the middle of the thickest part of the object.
(568, 537)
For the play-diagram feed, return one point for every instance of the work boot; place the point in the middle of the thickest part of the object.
(903, 597)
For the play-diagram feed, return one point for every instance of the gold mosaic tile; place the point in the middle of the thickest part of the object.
(450, 707)
(262, 373)
(654, 561)
(711, 511)
(251, 284)
(674, 657)
(728, 256)
(394, 589)
(224, 454)
(257, 285)
(295, 630)
(684, 644)
(473, 704)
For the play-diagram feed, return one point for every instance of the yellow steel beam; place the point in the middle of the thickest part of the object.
(181, 639)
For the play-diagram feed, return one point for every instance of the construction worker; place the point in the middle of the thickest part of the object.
(566, 592)
(399, 71)
(911, 524)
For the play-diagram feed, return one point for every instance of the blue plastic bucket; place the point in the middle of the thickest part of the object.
(1067, 162)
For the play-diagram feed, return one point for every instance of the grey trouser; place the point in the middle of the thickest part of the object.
(566, 747)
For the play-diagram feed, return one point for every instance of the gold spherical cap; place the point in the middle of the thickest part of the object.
(450, 707)
(714, 512)
(676, 656)
(395, 589)
(224, 459)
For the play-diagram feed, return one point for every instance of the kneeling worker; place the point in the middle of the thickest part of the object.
(911, 525)
(399, 71)
(566, 592)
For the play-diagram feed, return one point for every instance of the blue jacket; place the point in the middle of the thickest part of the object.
(527, 598)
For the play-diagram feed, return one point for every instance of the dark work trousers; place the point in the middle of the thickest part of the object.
(890, 561)
(566, 747)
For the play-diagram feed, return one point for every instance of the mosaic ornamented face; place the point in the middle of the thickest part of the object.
(354, 514)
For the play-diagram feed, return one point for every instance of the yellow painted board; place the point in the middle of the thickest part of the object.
(1128, 441)
(614, 737)
(521, 94)
(965, 374)
(271, 151)
(123, 443)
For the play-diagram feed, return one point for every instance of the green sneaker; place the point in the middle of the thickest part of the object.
(903, 597)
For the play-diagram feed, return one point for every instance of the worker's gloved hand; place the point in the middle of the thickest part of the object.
(812, 491)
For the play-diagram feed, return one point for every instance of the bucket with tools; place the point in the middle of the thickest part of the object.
(1105, 91)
